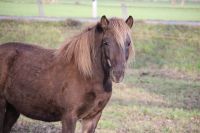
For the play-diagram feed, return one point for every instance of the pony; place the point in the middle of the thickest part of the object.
(69, 84)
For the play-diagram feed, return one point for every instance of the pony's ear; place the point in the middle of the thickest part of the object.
(104, 21)
(129, 21)
(103, 24)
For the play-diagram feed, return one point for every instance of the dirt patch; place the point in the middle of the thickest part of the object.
(126, 95)
(165, 73)
(25, 125)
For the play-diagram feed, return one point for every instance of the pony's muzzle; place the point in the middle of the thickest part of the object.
(117, 75)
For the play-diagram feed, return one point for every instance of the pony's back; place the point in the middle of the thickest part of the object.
(14, 53)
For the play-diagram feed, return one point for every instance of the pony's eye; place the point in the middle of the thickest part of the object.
(129, 44)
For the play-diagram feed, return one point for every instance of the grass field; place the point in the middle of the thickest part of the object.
(157, 46)
(161, 90)
(140, 10)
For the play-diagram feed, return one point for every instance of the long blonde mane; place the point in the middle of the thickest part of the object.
(81, 48)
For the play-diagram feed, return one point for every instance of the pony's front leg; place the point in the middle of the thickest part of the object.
(68, 123)
(2, 112)
(89, 125)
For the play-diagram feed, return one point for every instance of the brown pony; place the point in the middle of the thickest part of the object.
(67, 84)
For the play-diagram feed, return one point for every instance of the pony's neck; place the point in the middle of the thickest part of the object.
(80, 51)
(83, 53)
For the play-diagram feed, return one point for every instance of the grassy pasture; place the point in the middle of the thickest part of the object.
(161, 93)
(140, 10)
(157, 46)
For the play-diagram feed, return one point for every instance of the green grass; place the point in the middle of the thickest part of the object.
(18, 9)
(161, 11)
(167, 46)
(176, 93)
(147, 101)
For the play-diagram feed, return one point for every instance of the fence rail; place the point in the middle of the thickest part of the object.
(146, 9)
(39, 18)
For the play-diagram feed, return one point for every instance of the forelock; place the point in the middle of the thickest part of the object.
(120, 30)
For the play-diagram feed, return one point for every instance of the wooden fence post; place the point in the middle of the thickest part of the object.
(40, 7)
(124, 9)
(94, 8)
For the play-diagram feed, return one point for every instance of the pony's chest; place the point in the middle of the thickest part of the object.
(93, 104)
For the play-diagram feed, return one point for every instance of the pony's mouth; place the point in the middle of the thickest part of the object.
(117, 76)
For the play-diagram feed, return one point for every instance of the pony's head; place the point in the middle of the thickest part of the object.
(109, 39)
(116, 45)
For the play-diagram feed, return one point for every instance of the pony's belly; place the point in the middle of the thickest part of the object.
(43, 116)
(45, 113)
(35, 106)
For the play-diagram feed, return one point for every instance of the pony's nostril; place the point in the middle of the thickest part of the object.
(117, 76)
(118, 73)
